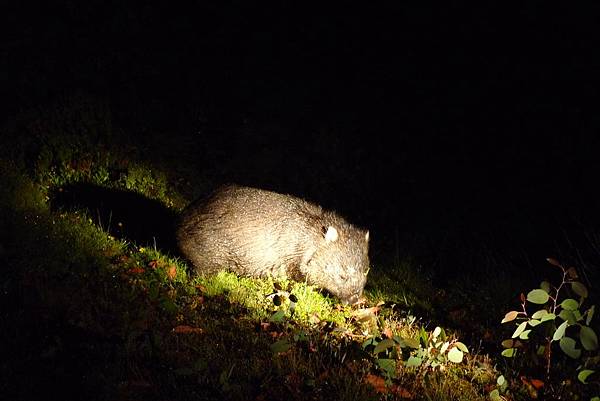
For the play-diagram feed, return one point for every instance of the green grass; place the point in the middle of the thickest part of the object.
(140, 325)
(95, 316)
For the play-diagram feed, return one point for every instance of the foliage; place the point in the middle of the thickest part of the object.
(427, 351)
(559, 319)
(124, 320)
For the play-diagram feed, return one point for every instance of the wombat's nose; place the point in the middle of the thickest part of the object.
(352, 299)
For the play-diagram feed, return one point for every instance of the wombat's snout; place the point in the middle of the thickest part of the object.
(352, 299)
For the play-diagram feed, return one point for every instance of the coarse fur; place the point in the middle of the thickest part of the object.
(258, 233)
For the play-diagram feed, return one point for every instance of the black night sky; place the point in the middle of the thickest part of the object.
(479, 119)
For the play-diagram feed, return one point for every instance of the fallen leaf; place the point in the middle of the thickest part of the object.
(377, 382)
(185, 329)
(387, 332)
(136, 270)
(314, 318)
(171, 272)
(538, 384)
(402, 392)
(365, 313)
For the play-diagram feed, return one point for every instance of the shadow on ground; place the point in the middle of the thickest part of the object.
(124, 214)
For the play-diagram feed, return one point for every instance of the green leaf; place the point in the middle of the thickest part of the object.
(588, 338)
(570, 304)
(519, 330)
(579, 289)
(538, 296)
(540, 350)
(383, 345)
(437, 331)
(455, 355)
(549, 316)
(277, 317)
(501, 380)
(413, 361)
(560, 332)
(153, 291)
(281, 346)
(369, 341)
(509, 353)
(567, 344)
(539, 314)
(410, 343)
(510, 316)
(495, 395)
(567, 316)
(508, 343)
(444, 347)
(461, 347)
(423, 337)
(583, 375)
(534, 322)
(590, 314)
(544, 285)
(525, 335)
(388, 366)
(168, 305)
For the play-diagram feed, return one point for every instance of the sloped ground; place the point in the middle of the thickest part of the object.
(97, 304)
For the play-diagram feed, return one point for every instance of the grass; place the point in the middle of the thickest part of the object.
(97, 312)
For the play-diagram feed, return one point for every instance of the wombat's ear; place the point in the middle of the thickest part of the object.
(367, 236)
(331, 235)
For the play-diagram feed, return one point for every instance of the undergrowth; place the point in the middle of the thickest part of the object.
(100, 312)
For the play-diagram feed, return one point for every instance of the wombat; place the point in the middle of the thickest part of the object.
(257, 233)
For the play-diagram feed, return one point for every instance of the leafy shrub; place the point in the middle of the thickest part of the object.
(428, 351)
(560, 318)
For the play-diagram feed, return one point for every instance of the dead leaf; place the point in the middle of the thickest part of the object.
(365, 313)
(171, 272)
(387, 332)
(377, 382)
(314, 318)
(532, 386)
(538, 384)
(402, 392)
(136, 270)
(185, 329)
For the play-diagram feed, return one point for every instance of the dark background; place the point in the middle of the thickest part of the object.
(420, 122)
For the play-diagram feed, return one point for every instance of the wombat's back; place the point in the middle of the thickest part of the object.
(245, 229)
